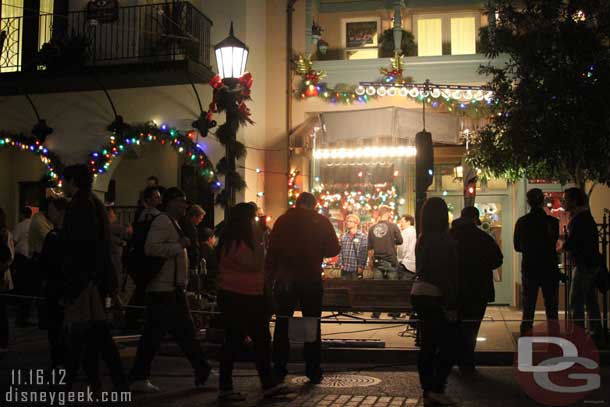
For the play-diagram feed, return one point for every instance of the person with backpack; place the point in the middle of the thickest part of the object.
(137, 262)
(7, 254)
(167, 308)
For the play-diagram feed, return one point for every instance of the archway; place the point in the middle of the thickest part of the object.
(130, 157)
(24, 177)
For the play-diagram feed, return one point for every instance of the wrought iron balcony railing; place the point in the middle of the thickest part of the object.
(171, 31)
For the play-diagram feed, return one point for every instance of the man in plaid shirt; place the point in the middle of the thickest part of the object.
(354, 249)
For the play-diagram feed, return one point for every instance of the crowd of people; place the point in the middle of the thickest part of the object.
(74, 253)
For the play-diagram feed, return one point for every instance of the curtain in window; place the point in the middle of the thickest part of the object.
(11, 23)
(463, 36)
(46, 22)
(429, 37)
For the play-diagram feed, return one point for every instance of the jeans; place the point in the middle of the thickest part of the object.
(437, 350)
(550, 292)
(384, 270)
(584, 293)
(55, 332)
(244, 315)
(349, 275)
(167, 311)
(287, 297)
(92, 341)
(470, 314)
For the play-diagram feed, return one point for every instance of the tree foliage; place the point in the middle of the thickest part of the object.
(553, 117)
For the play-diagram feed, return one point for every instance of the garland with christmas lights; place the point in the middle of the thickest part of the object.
(293, 188)
(368, 198)
(131, 136)
(393, 82)
(48, 158)
(231, 101)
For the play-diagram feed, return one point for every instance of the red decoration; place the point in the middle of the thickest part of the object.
(311, 91)
(216, 82)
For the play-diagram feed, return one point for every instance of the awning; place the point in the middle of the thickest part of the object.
(390, 122)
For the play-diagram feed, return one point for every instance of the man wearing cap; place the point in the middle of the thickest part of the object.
(479, 256)
(167, 307)
(536, 237)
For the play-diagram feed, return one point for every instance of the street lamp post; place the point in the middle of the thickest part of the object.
(231, 57)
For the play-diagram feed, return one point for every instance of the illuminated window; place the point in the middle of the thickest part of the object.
(12, 24)
(463, 36)
(429, 37)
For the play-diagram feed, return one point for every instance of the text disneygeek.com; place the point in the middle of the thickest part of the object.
(16, 397)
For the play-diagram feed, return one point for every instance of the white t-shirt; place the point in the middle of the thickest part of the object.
(406, 251)
(21, 235)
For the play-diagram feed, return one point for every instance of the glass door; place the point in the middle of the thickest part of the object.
(496, 220)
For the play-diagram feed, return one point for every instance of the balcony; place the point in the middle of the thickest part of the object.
(147, 45)
(444, 69)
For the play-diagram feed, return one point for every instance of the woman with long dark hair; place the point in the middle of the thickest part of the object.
(241, 300)
(434, 297)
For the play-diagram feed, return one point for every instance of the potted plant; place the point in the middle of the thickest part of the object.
(386, 47)
(66, 53)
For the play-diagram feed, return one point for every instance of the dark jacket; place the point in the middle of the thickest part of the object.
(479, 256)
(299, 241)
(536, 236)
(437, 264)
(87, 253)
(583, 240)
(51, 261)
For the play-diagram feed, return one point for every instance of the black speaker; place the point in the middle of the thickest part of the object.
(424, 161)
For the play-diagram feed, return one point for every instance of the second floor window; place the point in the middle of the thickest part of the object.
(454, 34)
(429, 37)
(463, 36)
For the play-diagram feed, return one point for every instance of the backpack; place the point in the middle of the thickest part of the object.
(140, 267)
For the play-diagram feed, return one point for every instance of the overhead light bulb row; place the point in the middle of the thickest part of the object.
(415, 91)
(364, 152)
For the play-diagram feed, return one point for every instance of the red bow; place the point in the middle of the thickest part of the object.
(246, 80)
(216, 82)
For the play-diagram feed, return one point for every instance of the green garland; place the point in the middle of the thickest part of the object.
(130, 136)
(311, 86)
(232, 102)
(51, 160)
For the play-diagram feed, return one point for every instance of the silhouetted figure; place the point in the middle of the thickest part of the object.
(536, 237)
(300, 240)
(479, 256)
(434, 297)
(582, 243)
